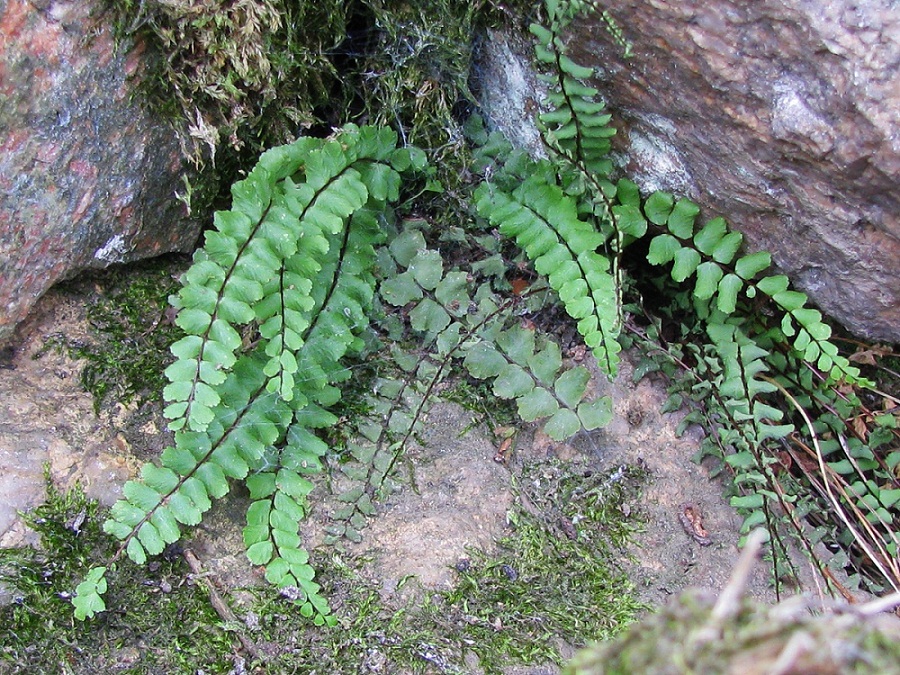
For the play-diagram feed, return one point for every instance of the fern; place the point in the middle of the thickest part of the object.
(710, 255)
(307, 272)
(544, 222)
(450, 317)
(289, 265)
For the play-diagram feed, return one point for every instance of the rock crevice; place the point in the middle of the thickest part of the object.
(783, 116)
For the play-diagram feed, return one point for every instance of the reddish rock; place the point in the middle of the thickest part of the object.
(87, 174)
(782, 115)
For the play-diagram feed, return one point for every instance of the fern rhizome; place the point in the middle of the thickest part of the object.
(310, 270)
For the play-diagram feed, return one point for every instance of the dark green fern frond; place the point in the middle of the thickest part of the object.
(544, 222)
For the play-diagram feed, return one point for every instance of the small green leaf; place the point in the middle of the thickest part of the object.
(749, 266)
(260, 553)
(513, 382)
(151, 539)
(710, 236)
(536, 404)
(708, 276)
(729, 287)
(483, 361)
(789, 300)
(546, 363)
(429, 317)
(293, 484)
(630, 220)
(663, 249)
(400, 290)
(261, 485)
(517, 343)
(142, 496)
(161, 479)
(596, 414)
(755, 519)
(427, 268)
(453, 293)
(166, 525)
(212, 476)
(727, 248)
(405, 246)
(681, 220)
(754, 501)
(772, 285)
(658, 207)
(184, 509)
(575, 70)
(686, 262)
(571, 385)
(135, 551)
(87, 599)
(562, 425)
(627, 192)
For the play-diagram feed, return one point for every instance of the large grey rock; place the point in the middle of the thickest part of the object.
(87, 174)
(782, 115)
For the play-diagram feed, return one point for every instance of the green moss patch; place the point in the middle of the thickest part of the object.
(130, 330)
(548, 586)
(163, 623)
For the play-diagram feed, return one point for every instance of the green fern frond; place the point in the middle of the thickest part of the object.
(293, 258)
(533, 375)
(544, 222)
(710, 254)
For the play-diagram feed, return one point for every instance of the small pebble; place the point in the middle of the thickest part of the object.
(510, 573)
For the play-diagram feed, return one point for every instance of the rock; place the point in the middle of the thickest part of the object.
(704, 632)
(87, 174)
(687, 637)
(781, 115)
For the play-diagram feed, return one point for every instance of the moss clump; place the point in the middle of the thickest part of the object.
(555, 580)
(758, 639)
(130, 333)
(239, 73)
(700, 632)
(253, 73)
(163, 622)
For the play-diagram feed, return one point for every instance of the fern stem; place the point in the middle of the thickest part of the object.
(184, 478)
(894, 576)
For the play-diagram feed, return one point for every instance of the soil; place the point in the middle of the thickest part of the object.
(463, 492)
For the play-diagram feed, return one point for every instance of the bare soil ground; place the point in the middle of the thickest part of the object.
(464, 493)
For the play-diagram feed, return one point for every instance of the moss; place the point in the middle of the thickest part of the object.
(130, 332)
(756, 639)
(247, 73)
(162, 622)
(239, 77)
(540, 590)
(555, 581)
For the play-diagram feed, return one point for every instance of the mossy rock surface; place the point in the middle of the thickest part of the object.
(759, 639)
